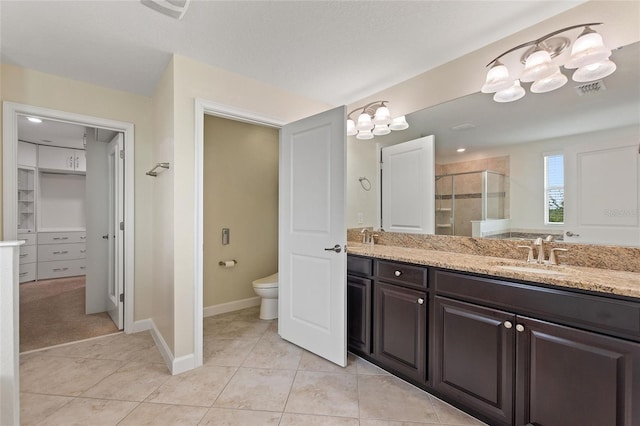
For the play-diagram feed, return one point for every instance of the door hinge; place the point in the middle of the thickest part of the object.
(122, 226)
(121, 297)
(122, 154)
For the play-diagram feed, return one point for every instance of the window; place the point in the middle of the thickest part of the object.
(554, 189)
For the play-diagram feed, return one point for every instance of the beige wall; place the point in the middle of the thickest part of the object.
(162, 213)
(34, 88)
(240, 193)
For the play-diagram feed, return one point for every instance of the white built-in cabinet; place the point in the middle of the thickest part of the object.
(51, 211)
(65, 159)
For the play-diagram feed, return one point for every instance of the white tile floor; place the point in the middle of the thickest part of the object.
(250, 377)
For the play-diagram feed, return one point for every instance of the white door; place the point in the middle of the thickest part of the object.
(97, 219)
(602, 193)
(115, 235)
(312, 235)
(408, 187)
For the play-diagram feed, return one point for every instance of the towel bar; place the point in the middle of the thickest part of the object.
(153, 172)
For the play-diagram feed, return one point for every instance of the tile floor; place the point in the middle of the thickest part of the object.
(250, 377)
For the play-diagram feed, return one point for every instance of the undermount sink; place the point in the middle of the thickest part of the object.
(532, 270)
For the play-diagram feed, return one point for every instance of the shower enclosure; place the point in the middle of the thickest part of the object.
(470, 196)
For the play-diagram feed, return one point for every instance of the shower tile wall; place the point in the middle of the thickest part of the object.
(468, 193)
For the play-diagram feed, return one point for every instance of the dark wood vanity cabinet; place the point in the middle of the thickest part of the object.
(510, 353)
(513, 369)
(473, 360)
(359, 304)
(400, 324)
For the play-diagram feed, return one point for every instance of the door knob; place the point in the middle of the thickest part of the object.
(507, 324)
(337, 248)
(420, 301)
(105, 237)
(520, 327)
(571, 234)
(397, 273)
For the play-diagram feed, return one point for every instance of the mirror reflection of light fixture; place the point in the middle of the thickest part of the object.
(374, 120)
(542, 69)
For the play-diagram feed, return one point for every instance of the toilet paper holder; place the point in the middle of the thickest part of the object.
(228, 263)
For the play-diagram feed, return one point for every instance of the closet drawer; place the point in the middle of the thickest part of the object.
(62, 268)
(28, 254)
(27, 272)
(29, 239)
(49, 252)
(61, 237)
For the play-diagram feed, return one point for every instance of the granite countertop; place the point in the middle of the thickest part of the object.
(600, 280)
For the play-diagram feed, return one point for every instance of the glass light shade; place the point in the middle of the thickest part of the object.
(399, 123)
(381, 130)
(364, 122)
(497, 79)
(548, 84)
(364, 135)
(538, 66)
(351, 128)
(382, 117)
(511, 94)
(587, 49)
(594, 71)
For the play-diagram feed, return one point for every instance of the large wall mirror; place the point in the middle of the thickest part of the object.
(510, 151)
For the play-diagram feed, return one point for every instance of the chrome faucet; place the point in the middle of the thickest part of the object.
(540, 244)
(368, 236)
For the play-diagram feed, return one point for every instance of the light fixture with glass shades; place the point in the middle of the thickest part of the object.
(542, 61)
(374, 120)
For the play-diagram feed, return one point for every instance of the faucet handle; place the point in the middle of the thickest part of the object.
(553, 260)
(529, 254)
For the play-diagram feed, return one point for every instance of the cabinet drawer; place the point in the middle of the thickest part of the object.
(362, 266)
(596, 313)
(28, 254)
(61, 237)
(63, 268)
(413, 276)
(29, 239)
(27, 272)
(49, 252)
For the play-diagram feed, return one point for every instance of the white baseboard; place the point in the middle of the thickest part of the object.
(176, 365)
(142, 325)
(236, 305)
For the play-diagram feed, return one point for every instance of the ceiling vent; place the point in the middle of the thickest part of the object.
(590, 88)
(172, 8)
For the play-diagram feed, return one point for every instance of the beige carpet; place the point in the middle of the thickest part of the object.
(52, 312)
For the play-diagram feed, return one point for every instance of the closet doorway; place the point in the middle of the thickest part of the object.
(67, 201)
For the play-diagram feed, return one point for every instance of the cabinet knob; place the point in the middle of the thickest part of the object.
(397, 273)
(520, 327)
(420, 301)
(507, 324)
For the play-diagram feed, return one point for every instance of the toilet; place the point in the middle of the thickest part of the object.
(267, 288)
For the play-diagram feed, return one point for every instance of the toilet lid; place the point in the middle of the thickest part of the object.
(270, 281)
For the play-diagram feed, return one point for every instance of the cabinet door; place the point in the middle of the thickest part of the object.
(473, 357)
(359, 314)
(400, 324)
(80, 160)
(572, 377)
(54, 158)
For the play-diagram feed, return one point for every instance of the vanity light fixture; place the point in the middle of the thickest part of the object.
(374, 120)
(542, 63)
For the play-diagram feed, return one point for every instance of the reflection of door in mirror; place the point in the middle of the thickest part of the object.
(603, 193)
(408, 187)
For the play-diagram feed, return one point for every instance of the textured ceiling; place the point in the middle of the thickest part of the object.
(335, 52)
